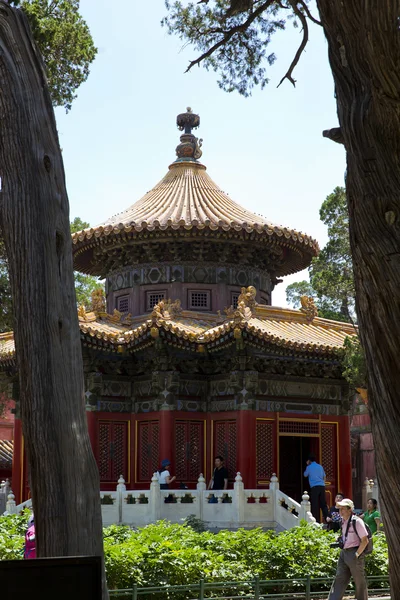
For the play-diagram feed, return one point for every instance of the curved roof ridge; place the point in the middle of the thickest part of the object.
(184, 194)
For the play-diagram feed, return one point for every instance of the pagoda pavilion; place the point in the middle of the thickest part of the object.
(185, 358)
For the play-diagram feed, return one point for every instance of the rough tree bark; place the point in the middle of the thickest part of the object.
(34, 213)
(364, 52)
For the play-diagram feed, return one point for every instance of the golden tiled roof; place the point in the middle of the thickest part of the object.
(186, 199)
(278, 327)
(6, 346)
(6, 453)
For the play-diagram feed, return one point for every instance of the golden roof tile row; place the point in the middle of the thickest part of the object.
(187, 199)
(284, 328)
(6, 453)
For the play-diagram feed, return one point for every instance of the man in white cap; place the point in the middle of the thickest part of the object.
(351, 559)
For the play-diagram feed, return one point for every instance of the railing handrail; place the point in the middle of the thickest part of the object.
(256, 584)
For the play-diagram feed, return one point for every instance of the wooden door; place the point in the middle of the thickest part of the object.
(148, 447)
(225, 438)
(189, 450)
(329, 460)
(113, 450)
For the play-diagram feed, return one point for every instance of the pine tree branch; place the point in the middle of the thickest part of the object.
(308, 13)
(304, 41)
(228, 34)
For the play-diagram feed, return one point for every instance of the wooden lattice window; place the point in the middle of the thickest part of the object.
(299, 427)
(123, 304)
(189, 450)
(225, 444)
(199, 300)
(265, 458)
(153, 298)
(234, 299)
(113, 450)
(148, 449)
(328, 450)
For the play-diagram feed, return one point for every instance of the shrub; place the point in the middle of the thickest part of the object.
(12, 535)
(168, 554)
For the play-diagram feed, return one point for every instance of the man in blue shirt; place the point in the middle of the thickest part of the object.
(316, 478)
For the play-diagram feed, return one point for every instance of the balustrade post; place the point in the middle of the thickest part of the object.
(11, 506)
(238, 498)
(305, 506)
(121, 488)
(274, 487)
(201, 487)
(366, 493)
(155, 499)
(3, 497)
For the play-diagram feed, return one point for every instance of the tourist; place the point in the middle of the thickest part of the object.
(30, 539)
(316, 478)
(372, 516)
(333, 519)
(219, 479)
(354, 540)
(164, 476)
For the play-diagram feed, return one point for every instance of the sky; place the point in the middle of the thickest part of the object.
(266, 151)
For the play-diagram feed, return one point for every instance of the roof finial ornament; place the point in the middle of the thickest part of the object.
(189, 148)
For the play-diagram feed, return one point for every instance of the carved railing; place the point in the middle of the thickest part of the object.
(228, 509)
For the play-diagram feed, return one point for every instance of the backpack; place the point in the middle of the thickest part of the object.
(30, 543)
(370, 547)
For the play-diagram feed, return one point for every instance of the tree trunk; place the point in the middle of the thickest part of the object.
(364, 52)
(35, 222)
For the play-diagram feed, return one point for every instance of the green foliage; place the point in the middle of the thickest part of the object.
(233, 43)
(64, 40)
(331, 272)
(168, 554)
(354, 365)
(164, 553)
(12, 535)
(196, 524)
(84, 284)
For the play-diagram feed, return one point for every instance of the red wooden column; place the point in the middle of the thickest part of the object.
(246, 447)
(167, 438)
(17, 483)
(345, 456)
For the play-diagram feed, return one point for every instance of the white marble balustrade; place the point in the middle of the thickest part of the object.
(219, 509)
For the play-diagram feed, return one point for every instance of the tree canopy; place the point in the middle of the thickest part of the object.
(233, 36)
(64, 40)
(331, 272)
(85, 285)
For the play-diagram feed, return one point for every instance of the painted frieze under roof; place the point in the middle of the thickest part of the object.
(186, 208)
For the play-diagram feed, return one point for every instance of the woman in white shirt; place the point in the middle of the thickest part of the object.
(164, 476)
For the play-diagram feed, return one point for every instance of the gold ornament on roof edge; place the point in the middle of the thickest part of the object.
(98, 300)
(82, 312)
(248, 297)
(308, 307)
(166, 309)
(246, 305)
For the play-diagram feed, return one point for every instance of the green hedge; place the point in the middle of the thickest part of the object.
(164, 553)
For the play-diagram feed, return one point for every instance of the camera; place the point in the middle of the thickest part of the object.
(338, 544)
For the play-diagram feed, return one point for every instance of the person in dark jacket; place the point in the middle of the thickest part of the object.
(333, 519)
